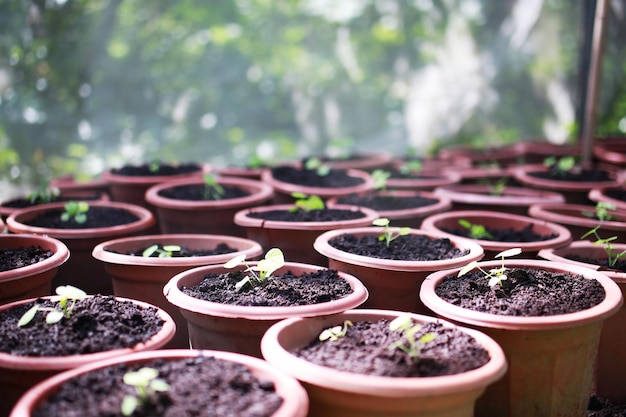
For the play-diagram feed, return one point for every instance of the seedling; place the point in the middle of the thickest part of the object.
(307, 203)
(315, 164)
(44, 194)
(212, 189)
(475, 231)
(76, 210)
(146, 385)
(410, 167)
(601, 211)
(380, 178)
(69, 295)
(408, 344)
(497, 188)
(273, 260)
(154, 166)
(561, 165)
(334, 333)
(390, 233)
(495, 275)
(165, 251)
(612, 255)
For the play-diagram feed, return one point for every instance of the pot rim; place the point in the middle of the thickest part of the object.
(523, 175)
(60, 255)
(323, 192)
(143, 180)
(550, 212)
(517, 196)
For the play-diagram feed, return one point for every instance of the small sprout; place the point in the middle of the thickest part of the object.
(612, 255)
(497, 188)
(410, 167)
(475, 231)
(404, 323)
(334, 333)
(601, 211)
(380, 178)
(76, 210)
(495, 275)
(165, 251)
(561, 166)
(154, 166)
(315, 164)
(389, 234)
(146, 385)
(307, 203)
(67, 294)
(212, 189)
(256, 162)
(44, 194)
(274, 259)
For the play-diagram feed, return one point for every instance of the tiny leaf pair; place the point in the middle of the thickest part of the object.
(274, 259)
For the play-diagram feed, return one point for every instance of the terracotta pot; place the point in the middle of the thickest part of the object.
(550, 358)
(19, 373)
(611, 150)
(574, 218)
(483, 175)
(240, 328)
(611, 363)
(209, 216)
(143, 278)
(31, 280)
(409, 217)
(513, 200)
(438, 223)
(536, 151)
(82, 270)
(71, 183)
(392, 284)
(365, 161)
(241, 172)
(597, 195)
(575, 192)
(424, 180)
(296, 238)
(295, 402)
(334, 393)
(283, 190)
(6, 210)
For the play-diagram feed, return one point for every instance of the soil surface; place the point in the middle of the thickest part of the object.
(97, 217)
(184, 252)
(365, 350)
(525, 234)
(582, 175)
(156, 169)
(336, 178)
(282, 290)
(387, 202)
(25, 202)
(600, 407)
(617, 194)
(201, 192)
(96, 324)
(200, 386)
(405, 248)
(526, 292)
(12, 258)
(323, 215)
(620, 265)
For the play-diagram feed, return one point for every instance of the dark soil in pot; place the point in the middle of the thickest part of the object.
(201, 192)
(405, 248)
(96, 324)
(156, 169)
(323, 215)
(525, 234)
(581, 175)
(365, 349)
(27, 202)
(200, 386)
(97, 217)
(220, 249)
(616, 194)
(620, 265)
(282, 290)
(336, 178)
(525, 292)
(12, 258)
(386, 202)
(599, 407)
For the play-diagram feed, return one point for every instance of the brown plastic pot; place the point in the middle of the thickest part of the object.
(78, 195)
(611, 150)
(536, 151)
(603, 195)
(424, 180)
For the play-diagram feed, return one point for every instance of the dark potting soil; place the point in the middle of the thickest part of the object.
(97, 217)
(200, 386)
(405, 248)
(220, 249)
(201, 192)
(279, 291)
(156, 169)
(323, 215)
(336, 178)
(525, 234)
(27, 202)
(620, 265)
(12, 258)
(582, 175)
(600, 407)
(386, 202)
(365, 350)
(616, 194)
(526, 292)
(96, 324)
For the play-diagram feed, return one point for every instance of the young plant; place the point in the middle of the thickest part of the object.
(69, 295)
(390, 233)
(410, 167)
(165, 251)
(495, 275)
(561, 165)
(315, 164)
(334, 333)
(497, 188)
(475, 231)
(76, 210)
(409, 344)
(613, 256)
(380, 177)
(146, 385)
(601, 211)
(44, 194)
(307, 203)
(273, 260)
(212, 189)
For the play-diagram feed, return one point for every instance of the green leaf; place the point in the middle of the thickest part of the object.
(28, 316)
(509, 252)
(148, 252)
(171, 248)
(54, 317)
(402, 322)
(129, 404)
(383, 221)
(237, 260)
(467, 268)
(69, 291)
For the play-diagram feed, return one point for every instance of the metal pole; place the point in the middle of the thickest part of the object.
(593, 80)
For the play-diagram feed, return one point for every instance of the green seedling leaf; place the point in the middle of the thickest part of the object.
(336, 332)
(129, 404)
(54, 317)
(273, 260)
(28, 316)
(508, 253)
(470, 266)
(237, 260)
(148, 252)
